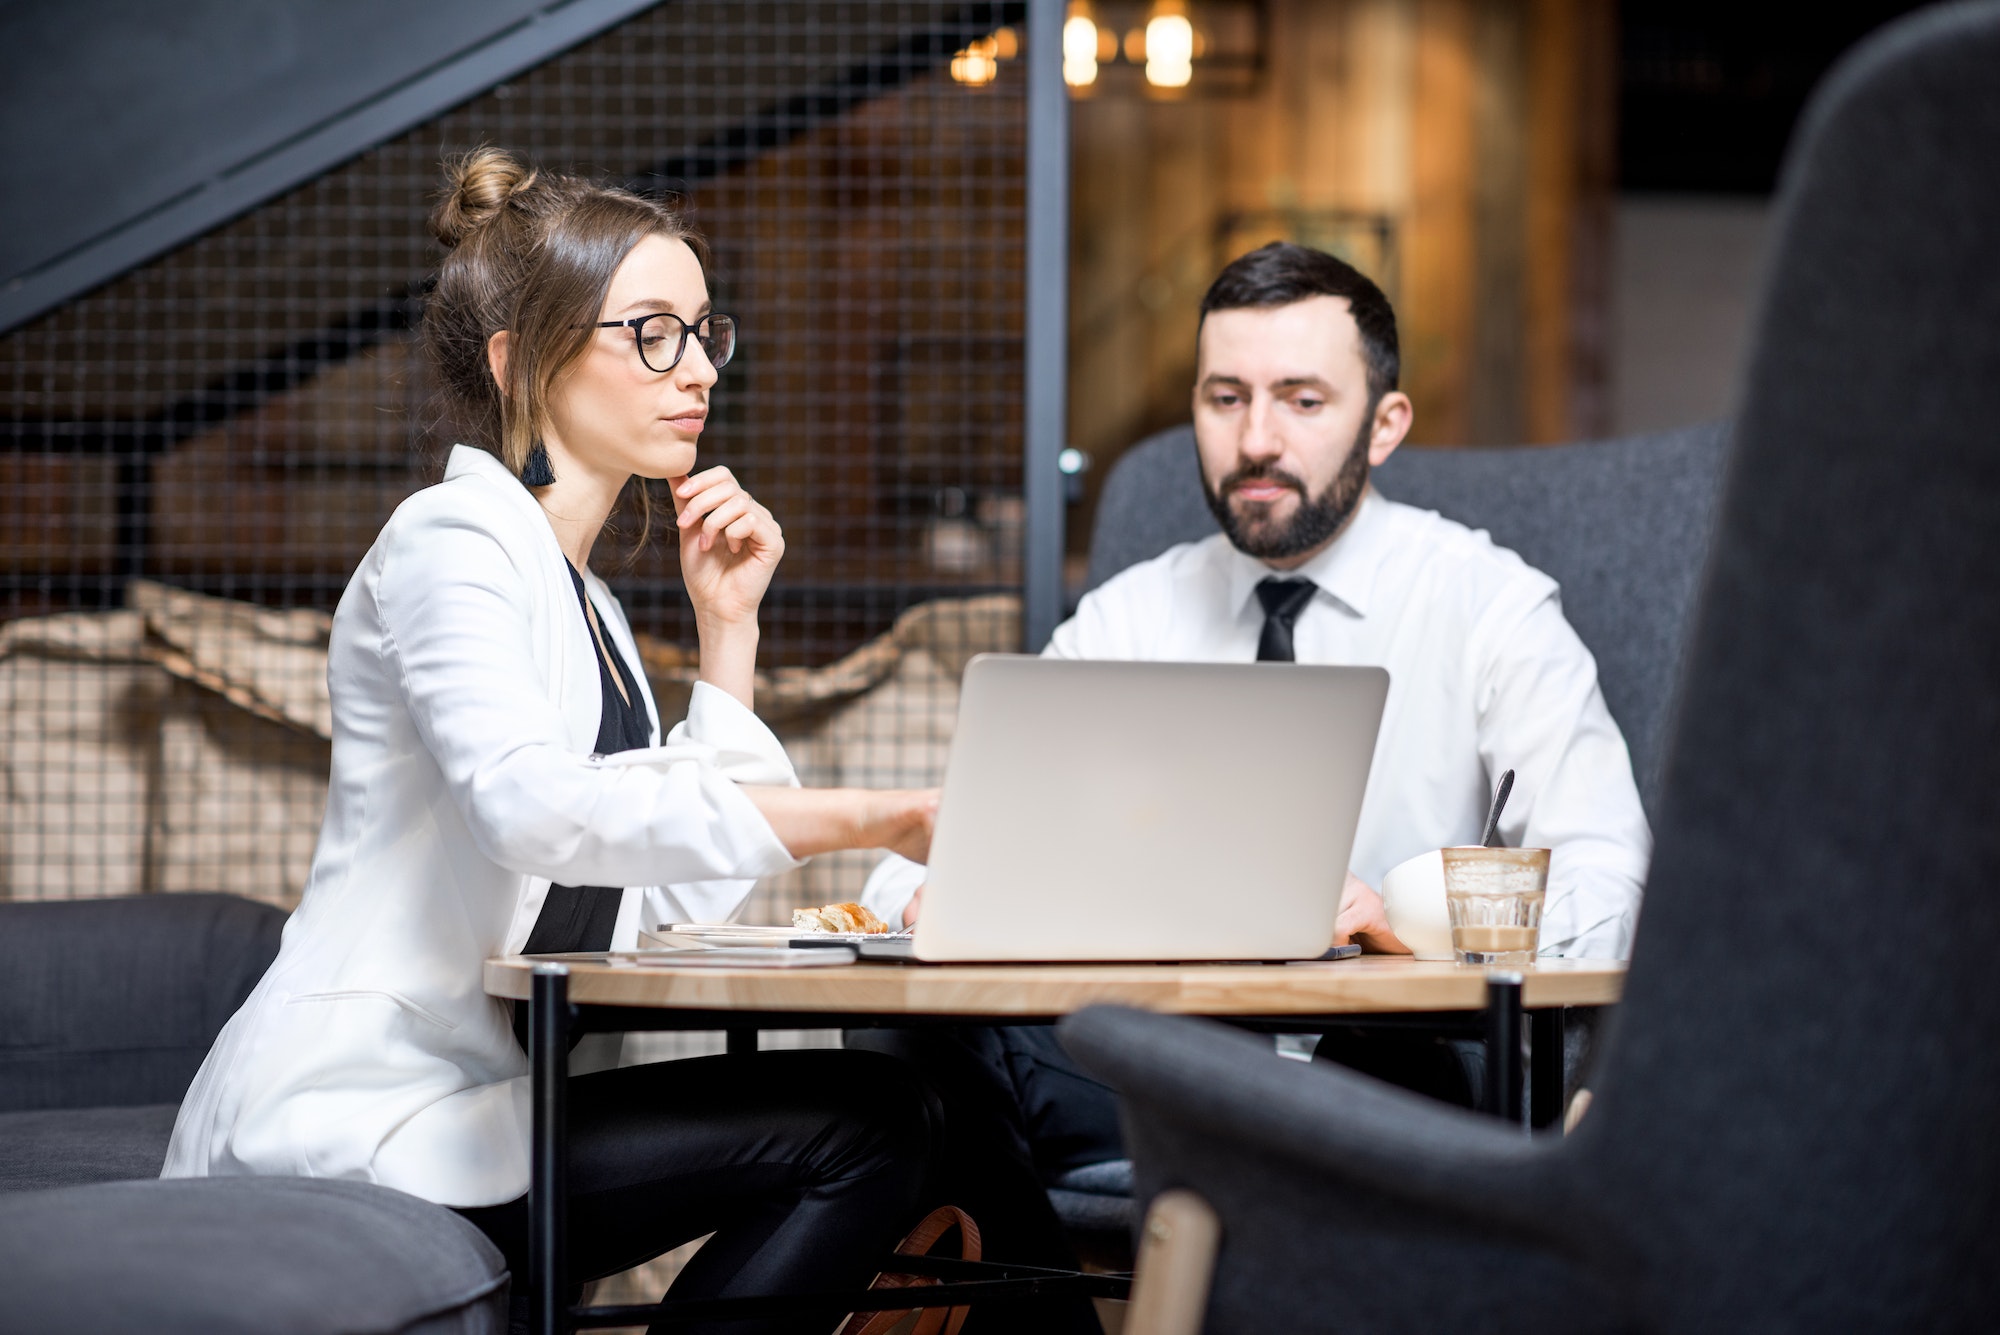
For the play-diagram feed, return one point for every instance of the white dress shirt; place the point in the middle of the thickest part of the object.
(466, 704)
(1485, 675)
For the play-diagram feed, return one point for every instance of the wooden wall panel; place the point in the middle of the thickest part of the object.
(1439, 248)
(1478, 129)
(1554, 101)
(1500, 201)
(1571, 126)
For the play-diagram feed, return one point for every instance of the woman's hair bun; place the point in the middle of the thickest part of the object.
(477, 187)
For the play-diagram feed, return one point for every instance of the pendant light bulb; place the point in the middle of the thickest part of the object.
(1079, 44)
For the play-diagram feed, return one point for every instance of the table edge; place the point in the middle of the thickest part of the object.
(594, 984)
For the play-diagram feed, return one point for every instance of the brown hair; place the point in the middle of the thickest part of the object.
(1281, 273)
(533, 253)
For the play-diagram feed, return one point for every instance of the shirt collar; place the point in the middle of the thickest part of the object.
(1344, 570)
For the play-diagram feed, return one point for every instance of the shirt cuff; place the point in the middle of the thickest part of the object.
(891, 886)
(745, 749)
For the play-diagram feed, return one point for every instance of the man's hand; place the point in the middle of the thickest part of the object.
(1362, 919)
(911, 909)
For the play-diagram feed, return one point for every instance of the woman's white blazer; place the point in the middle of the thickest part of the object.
(465, 710)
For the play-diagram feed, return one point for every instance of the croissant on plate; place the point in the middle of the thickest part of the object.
(838, 918)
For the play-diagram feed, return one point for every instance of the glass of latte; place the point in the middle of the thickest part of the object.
(1494, 897)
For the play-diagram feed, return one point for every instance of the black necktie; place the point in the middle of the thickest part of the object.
(1283, 600)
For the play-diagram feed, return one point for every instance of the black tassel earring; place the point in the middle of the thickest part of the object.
(537, 472)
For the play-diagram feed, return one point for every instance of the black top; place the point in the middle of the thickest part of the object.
(581, 917)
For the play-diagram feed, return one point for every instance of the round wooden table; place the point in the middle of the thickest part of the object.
(617, 991)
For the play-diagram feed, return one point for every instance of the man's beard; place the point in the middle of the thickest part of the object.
(1317, 517)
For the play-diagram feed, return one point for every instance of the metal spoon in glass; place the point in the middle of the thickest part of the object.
(1492, 832)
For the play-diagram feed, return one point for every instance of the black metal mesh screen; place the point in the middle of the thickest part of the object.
(237, 419)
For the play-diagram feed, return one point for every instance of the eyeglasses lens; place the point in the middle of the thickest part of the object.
(718, 339)
(663, 340)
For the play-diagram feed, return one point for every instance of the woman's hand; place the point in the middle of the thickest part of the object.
(903, 820)
(730, 546)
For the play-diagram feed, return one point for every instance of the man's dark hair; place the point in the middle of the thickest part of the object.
(1281, 273)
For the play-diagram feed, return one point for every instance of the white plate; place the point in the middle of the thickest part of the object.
(752, 957)
(738, 935)
(742, 929)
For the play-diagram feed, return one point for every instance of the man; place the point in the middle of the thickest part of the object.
(1295, 400)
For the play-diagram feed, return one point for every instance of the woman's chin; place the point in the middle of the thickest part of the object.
(676, 460)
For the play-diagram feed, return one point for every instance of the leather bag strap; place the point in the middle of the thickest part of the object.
(926, 1235)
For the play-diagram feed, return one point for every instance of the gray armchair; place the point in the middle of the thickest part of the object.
(1622, 525)
(107, 1008)
(1795, 1111)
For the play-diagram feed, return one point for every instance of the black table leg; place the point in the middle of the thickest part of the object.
(1545, 1066)
(1506, 1037)
(741, 1040)
(548, 1162)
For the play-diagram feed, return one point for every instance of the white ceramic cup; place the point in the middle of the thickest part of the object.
(1413, 897)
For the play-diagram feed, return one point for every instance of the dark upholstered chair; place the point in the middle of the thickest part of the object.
(1622, 525)
(107, 1008)
(1095, 1205)
(1795, 1113)
(244, 1256)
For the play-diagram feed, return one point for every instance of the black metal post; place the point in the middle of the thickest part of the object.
(741, 1040)
(1506, 1040)
(1045, 423)
(1545, 1066)
(548, 1161)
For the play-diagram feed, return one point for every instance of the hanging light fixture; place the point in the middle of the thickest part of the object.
(1169, 45)
(978, 63)
(1166, 49)
(1080, 45)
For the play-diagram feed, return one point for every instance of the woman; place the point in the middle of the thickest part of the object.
(498, 775)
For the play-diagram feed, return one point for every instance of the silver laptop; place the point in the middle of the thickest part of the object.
(1148, 811)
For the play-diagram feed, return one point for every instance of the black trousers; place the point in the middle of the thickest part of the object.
(1017, 1113)
(807, 1166)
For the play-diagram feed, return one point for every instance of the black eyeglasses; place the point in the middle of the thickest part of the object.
(716, 331)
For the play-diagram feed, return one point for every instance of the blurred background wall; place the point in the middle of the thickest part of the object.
(210, 396)
(197, 447)
(1565, 199)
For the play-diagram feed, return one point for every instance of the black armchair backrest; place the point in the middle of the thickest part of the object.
(1622, 525)
(1802, 1101)
(116, 1001)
